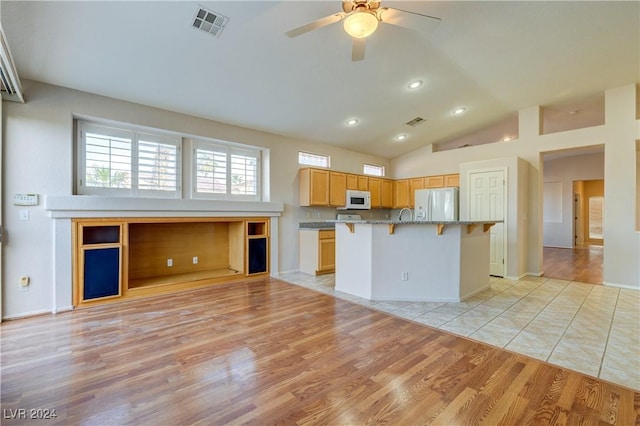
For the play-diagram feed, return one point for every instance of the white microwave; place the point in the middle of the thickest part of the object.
(358, 200)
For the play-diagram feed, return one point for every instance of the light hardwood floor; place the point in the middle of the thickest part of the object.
(581, 264)
(269, 352)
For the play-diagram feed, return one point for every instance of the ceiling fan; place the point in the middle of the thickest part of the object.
(361, 18)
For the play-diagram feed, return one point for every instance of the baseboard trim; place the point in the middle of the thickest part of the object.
(625, 286)
(26, 315)
(275, 275)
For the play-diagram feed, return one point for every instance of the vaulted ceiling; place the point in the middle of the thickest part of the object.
(492, 58)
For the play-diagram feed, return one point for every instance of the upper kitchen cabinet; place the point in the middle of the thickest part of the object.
(363, 183)
(401, 193)
(375, 188)
(352, 181)
(433, 182)
(314, 187)
(386, 196)
(337, 189)
(381, 193)
(452, 180)
(414, 185)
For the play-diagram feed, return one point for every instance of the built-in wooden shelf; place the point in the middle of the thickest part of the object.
(182, 278)
(133, 257)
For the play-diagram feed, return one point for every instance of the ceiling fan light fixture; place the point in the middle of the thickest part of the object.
(360, 23)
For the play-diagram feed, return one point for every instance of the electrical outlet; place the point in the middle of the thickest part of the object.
(195, 260)
(24, 283)
(169, 262)
(405, 276)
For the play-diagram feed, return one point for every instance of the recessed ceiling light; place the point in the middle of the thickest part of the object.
(351, 122)
(415, 84)
(459, 111)
(506, 139)
(401, 137)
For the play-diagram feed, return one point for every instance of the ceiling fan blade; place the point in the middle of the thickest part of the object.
(357, 52)
(319, 23)
(406, 19)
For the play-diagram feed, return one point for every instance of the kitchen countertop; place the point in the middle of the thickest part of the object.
(416, 222)
(317, 225)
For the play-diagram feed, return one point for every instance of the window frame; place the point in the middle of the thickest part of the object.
(313, 154)
(133, 133)
(374, 166)
(230, 150)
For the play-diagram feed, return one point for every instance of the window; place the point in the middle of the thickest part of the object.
(373, 170)
(310, 159)
(120, 161)
(225, 172)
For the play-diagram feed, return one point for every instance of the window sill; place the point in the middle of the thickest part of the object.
(77, 206)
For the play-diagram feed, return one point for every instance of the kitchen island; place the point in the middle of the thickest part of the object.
(412, 260)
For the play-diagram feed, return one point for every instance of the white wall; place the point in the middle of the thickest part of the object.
(38, 150)
(618, 135)
(563, 172)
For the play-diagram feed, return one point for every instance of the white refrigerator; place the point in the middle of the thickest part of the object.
(439, 204)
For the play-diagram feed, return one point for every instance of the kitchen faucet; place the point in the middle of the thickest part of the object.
(402, 211)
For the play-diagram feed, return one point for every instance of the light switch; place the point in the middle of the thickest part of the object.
(24, 215)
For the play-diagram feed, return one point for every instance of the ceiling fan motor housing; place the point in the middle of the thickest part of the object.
(352, 5)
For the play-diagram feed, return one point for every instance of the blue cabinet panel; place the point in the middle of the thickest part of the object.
(101, 273)
(257, 255)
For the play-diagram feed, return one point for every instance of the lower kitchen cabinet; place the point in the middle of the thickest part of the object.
(317, 251)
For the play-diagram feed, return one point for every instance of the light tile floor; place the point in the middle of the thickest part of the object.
(588, 328)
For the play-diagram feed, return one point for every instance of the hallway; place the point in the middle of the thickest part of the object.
(581, 264)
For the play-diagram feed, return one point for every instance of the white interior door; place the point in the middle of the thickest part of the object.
(487, 202)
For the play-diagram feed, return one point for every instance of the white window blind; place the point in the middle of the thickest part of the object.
(225, 172)
(115, 161)
(211, 171)
(157, 164)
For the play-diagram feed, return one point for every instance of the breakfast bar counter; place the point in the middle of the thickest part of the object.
(412, 260)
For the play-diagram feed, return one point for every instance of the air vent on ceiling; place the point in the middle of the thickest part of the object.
(209, 21)
(415, 121)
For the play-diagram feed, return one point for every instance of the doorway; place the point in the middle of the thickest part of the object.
(573, 236)
(588, 212)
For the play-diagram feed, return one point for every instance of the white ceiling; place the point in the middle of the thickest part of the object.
(493, 58)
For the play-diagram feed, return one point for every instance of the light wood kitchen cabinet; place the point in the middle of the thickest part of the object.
(386, 194)
(375, 188)
(327, 188)
(337, 189)
(352, 181)
(363, 183)
(401, 193)
(452, 180)
(414, 184)
(381, 193)
(314, 187)
(434, 182)
(317, 251)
